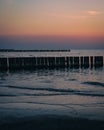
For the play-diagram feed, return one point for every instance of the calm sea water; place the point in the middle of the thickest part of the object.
(73, 92)
(57, 54)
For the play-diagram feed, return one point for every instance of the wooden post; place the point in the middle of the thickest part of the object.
(81, 61)
(76, 62)
(7, 63)
(62, 62)
(67, 62)
(3, 63)
(98, 61)
(46, 62)
(38, 62)
(51, 62)
(91, 62)
(86, 62)
(57, 61)
(71, 62)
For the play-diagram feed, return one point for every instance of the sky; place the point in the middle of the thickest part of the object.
(48, 24)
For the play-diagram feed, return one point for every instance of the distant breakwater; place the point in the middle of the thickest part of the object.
(19, 63)
(13, 50)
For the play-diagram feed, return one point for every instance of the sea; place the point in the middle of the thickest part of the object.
(64, 91)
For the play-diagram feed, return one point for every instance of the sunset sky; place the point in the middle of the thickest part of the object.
(51, 24)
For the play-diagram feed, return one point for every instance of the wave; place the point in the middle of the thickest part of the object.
(55, 94)
(94, 83)
(41, 89)
(7, 95)
(55, 91)
(75, 93)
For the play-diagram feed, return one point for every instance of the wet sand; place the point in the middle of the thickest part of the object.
(52, 122)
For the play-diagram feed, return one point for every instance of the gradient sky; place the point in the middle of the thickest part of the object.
(50, 23)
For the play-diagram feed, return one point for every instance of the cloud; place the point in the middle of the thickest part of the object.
(66, 16)
(77, 15)
(93, 12)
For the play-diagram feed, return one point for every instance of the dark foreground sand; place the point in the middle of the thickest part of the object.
(52, 122)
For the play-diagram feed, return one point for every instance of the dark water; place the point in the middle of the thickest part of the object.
(73, 92)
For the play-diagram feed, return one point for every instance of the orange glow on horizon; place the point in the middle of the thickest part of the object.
(52, 19)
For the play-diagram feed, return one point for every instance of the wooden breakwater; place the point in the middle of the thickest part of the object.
(51, 62)
(13, 50)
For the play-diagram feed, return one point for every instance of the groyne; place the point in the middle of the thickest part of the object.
(13, 50)
(51, 62)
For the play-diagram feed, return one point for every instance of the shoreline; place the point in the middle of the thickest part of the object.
(52, 122)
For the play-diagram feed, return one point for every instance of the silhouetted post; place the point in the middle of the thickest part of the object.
(71, 62)
(81, 61)
(38, 62)
(91, 61)
(76, 62)
(7, 63)
(46, 62)
(51, 62)
(67, 62)
(57, 62)
(42, 62)
(98, 61)
(11, 63)
(3, 63)
(32, 62)
(62, 62)
(25, 63)
(86, 61)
